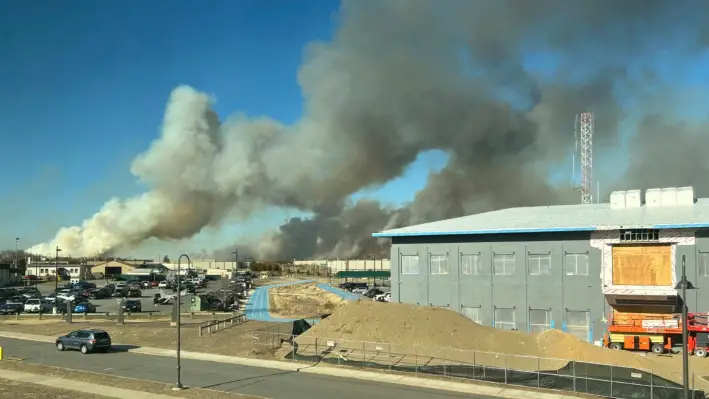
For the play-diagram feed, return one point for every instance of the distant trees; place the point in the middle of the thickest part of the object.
(166, 259)
(9, 256)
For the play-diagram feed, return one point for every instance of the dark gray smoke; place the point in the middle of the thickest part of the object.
(400, 78)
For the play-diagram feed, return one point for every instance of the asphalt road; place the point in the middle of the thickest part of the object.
(269, 383)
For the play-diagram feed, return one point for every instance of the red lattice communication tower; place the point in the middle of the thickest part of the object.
(586, 127)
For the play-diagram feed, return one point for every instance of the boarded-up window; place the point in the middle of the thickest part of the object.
(703, 264)
(576, 264)
(409, 264)
(539, 265)
(473, 313)
(642, 265)
(539, 320)
(439, 264)
(578, 323)
(472, 264)
(505, 319)
(504, 264)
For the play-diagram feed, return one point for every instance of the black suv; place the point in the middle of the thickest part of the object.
(132, 306)
(86, 341)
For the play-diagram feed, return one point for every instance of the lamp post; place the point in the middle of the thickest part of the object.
(684, 285)
(56, 275)
(17, 263)
(236, 259)
(179, 386)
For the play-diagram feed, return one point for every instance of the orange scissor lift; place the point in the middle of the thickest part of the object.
(658, 334)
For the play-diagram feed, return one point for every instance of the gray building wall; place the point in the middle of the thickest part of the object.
(521, 291)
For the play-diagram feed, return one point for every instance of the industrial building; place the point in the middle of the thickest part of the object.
(567, 267)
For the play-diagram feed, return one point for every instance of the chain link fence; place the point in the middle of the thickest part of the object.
(525, 371)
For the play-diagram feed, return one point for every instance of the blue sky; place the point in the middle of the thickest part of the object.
(84, 86)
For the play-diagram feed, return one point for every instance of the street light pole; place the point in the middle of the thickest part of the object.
(56, 276)
(178, 306)
(236, 260)
(17, 263)
(685, 285)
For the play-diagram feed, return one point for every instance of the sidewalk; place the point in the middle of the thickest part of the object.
(63, 383)
(452, 386)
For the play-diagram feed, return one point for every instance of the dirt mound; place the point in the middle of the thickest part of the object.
(444, 334)
(302, 301)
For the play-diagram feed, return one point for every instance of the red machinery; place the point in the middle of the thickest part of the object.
(658, 333)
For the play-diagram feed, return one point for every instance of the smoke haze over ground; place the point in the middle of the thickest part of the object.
(403, 77)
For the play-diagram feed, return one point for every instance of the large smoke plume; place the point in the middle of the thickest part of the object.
(400, 78)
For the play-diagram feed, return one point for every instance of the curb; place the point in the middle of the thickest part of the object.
(451, 386)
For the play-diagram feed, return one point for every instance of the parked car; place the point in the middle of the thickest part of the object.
(11, 307)
(373, 292)
(66, 295)
(36, 305)
(100, 293)
(386, 297)
(360, 290)
(84, 307)
(86, 341)
(133, 306)
(163, 284)
(134, 293)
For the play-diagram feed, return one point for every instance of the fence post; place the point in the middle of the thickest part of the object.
(391, 359)
(652, 390)
(474, 366)
(539, 372)
(317, 353)
(573, 375)
(504, 359)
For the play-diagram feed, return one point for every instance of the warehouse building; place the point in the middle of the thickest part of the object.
(567, 267)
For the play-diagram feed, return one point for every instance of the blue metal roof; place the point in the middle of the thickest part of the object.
(563, 218)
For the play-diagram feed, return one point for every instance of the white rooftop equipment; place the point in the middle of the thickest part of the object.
(618, 200)
(632, 199)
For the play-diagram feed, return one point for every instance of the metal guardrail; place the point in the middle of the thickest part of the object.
(525, 371)
(218, 325)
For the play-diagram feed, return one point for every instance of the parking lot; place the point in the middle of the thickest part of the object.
(111, 305)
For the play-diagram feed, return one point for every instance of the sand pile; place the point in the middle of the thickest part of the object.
(442, 333)
(302, 301)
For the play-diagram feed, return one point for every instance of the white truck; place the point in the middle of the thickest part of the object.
(36, 305)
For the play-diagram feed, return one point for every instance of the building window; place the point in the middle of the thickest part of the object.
(504, 264)
(539, 265)
(539, 320)
(639, 235)
(576, 264)
(473, 264)
(409, 264)
(473, 313)
(439, 264)
(578, 323)
(505, 319)
(703, 264)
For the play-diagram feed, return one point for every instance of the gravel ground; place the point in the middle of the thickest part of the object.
(100, 379)
(19, 390)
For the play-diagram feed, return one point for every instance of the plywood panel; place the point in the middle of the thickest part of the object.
(642, 265)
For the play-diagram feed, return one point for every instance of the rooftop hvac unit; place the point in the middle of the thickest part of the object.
(653, 198)
(685, 196)
(669, 196)
(618, 200)
(632, 199)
